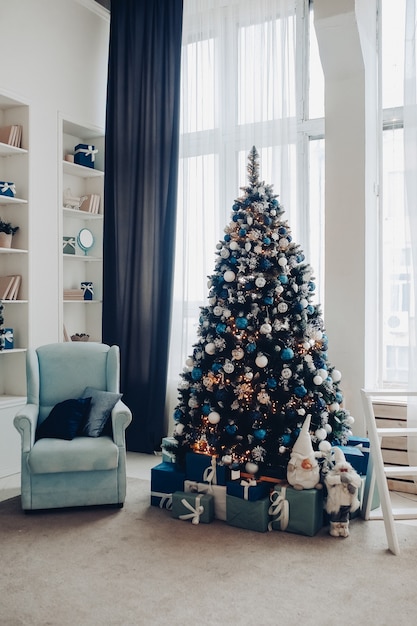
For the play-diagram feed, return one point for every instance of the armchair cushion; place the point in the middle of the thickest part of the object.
(81, 454)
(65, 419)
(102, 403)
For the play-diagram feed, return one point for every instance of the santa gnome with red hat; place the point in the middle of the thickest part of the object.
(342, 483)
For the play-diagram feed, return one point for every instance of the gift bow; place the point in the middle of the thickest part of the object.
(246, 484)
(7, 186)
(279, 509)
(195, 512)
(8, 335)
(165, 501)
(89, 151)
(210, 473)
(195, 487)
(362, 448)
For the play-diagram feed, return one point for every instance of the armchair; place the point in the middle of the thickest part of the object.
(79, 471)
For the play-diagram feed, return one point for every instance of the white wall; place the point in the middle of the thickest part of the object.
(53, 55)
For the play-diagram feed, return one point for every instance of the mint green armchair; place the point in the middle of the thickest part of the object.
(84, 470)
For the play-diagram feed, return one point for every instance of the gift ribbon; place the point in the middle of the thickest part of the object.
(362, 448)
(195, 512)
(246, 484)
(279, 509)
(88, 152)
(210, 473)
(165, 501)
(7, 186)
(8, 335)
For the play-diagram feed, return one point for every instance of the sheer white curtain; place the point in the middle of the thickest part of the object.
(238, 90)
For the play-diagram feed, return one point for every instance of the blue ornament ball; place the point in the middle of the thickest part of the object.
(216, 367)
(268, 300)
(241, 323)
(227, 237)
(283, 279)
(231, 429)
(272, 383)
(287, 354)
(220, 329)
(300, 391)
(177, 415)
(242, 232)
(206, 409)
(250, 348)
(196, 373)
(260, 433)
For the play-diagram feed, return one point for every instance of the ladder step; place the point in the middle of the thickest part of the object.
(400, 470)
(397, 432)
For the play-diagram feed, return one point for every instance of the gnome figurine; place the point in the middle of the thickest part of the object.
(342, 483)
(303, 471)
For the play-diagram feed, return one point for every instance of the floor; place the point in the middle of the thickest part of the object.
(140, 465)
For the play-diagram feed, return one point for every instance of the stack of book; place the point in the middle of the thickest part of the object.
(9, 287)
(11, 135)
(91, 203)
(73, 294)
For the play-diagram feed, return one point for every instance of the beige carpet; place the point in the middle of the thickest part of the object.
(138, 566)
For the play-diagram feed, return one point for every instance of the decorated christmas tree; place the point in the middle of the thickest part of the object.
(259, 368)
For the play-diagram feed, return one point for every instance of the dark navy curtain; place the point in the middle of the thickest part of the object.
(141, 167)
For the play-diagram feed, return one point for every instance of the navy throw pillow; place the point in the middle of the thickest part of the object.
(102, 403)
(65, 420)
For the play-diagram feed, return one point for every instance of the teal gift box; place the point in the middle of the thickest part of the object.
(296, 511)
(168, 445)
(7, 189)
(165, 479)
(248, 489)
(68, 245)
(205, 468)
(251, 515)
(375, 503)
(193, 507)
(217, 491)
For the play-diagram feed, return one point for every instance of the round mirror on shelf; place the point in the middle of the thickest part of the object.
(85, 239)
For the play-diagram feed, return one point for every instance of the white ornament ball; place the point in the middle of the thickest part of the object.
(226, 313)
(227, 459)
(251, 468)
(217, 311)
(228, 367)
(258, 249)
(229, 276)
(328, 428)
(279, 289)
(210, 348)
(323, 373)
(282, 307)
(304, 303)
(233, 245)
(325, 446)
(179, 428)
(350, 420)
(265, 329)
(282, 449)
(225, 253)
(321, 434)
(283, 244)
(213, 417)
(334, 407)
(248, 375)
(317, 380)
(248, 246)
(260, 281)
(189, 362)
(282, 261)
(238, 353)
(286, 373)
(261, 360)
(272, 212)
(274, 236)
(336, 376)
(301, 411)
(249, 220)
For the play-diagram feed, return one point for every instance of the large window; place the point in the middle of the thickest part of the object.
(244, 83)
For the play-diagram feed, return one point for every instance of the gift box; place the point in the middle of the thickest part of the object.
(8, 339)
(296, 511)
(7, 189)
(248, 489)
(168, 455)
(247, 514)
(68, 245)
(194, 507)
(165, 479)
(375, 503)
(87, 289)
(205, 468)
(85, 154)
(357, 458)
(217, 491)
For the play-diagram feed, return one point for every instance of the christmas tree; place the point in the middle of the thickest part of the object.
(259, 367)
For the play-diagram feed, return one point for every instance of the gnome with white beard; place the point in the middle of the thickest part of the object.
(342, 484)
(303, 471)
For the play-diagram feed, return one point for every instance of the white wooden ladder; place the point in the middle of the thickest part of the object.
(378, 471)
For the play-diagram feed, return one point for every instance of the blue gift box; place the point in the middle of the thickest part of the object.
(85, 154)
(248, 489)
(7, 189)
(165, 479)
(193, 507)
(205, 468)
(357, 458)
(168, 455)
(296, 511)
(8, 339)
(247, 514)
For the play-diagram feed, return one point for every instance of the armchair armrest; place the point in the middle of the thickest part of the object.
(25, 422)
(121, 417)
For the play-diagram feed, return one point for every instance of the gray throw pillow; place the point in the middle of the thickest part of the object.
(102, 403)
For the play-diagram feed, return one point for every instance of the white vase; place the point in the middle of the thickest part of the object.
(5, 240)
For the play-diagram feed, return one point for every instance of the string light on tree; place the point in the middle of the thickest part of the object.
(259, 365)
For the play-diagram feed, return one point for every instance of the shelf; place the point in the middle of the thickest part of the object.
(82, 301)
(79, 257)
(13, 351)
(72, 169)
(12, 200)
(81, 215)
(15, 301)
(12, 251)
(6, 150)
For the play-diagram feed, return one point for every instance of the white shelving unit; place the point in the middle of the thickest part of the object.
(81, 316)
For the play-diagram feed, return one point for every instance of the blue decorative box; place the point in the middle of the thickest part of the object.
(357, 458)
(193, 507)
(217, 491)
(7, 189)
(85, 154)
(8, 339)
(248, 489)
(296, 511)
(246, 514)
(205, 468)
(165, 479)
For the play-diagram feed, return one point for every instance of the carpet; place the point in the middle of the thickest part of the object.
(138, 566)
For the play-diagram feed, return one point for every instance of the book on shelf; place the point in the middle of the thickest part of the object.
(9, 287)
(73, 294)
(91, 203)
(12, 135)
